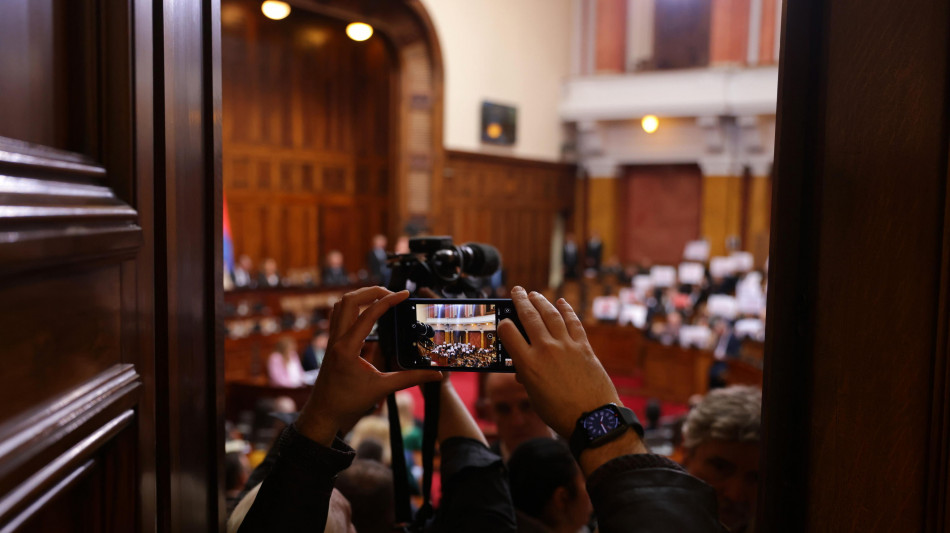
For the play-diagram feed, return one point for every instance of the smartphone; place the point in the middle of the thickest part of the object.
(457, 335)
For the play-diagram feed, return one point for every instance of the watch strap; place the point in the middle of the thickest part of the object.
(580, 440)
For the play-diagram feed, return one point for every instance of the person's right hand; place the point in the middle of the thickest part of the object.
(347, 385)
(559, 369)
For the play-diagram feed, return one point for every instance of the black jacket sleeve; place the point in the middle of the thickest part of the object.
(295, 495)
(475, 495)
(650, 493)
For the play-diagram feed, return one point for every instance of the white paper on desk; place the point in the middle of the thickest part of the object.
(722, 305)
(633, 314)
(721, 267)
(691, 273)
(742, 261)
(698, 336)
(750, 327)
(696, 251)
(641, 284)
(606, 307)
(627, 296)
(663, 276)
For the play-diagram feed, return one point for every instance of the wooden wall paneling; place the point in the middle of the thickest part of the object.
(860, 196)
(510, 204)
(325, 146)
(721, 210)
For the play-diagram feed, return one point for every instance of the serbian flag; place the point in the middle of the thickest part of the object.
(228, 245)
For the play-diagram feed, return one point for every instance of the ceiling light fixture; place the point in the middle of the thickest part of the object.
(275, 10)
(650, 123)
(359, 31)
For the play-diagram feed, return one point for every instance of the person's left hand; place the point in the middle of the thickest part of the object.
(347, 385)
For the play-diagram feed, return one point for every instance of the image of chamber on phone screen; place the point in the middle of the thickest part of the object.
(458, 336)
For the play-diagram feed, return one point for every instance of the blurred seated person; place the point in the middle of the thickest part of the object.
(376, 265)
(334, 274)
(547, 488)
(236, 471)
(667, 333)
(268, 277)
(313, 354)
(242, 273)
(283, 366)
(510, 409)
(721, 447)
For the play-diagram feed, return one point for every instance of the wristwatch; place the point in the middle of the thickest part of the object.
(602, 425)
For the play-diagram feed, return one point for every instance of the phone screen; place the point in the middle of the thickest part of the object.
(453, 334)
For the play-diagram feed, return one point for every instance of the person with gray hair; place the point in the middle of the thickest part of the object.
(721, 447)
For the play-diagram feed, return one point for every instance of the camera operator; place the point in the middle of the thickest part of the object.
(630, 489)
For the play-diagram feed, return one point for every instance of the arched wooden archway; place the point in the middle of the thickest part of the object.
(416, 143)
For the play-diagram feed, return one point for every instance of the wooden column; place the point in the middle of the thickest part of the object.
(729, 32)
(611, 36)
(722, 208)
(602, 213)
(767, 33)
(756, 238)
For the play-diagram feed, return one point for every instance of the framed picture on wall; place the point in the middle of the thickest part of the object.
(499, 124)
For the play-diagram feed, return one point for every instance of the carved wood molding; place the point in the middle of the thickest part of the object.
(62, 473)
(54, 208)
(39, 436)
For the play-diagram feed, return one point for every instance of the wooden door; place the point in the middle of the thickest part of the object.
(660, 212)
(108, 256)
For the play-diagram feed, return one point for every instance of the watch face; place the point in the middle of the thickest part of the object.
(600, 423)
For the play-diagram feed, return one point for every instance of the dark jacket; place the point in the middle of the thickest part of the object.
(632, 493)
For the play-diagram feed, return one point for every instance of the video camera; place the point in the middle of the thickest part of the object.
(449, 270)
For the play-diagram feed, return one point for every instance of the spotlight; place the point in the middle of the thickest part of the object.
(650, 123)
(359, 31)
(275, 10)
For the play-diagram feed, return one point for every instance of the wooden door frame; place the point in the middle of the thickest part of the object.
(856, 414)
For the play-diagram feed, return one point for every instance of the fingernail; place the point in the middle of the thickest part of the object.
(518, 288)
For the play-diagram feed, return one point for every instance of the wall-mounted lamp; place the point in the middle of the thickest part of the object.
(275, 10)
(650, 123)
(359, 31)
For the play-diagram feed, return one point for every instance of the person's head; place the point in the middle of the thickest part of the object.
(245, 262)
(368, 486)
(335, 259)
(674, 320)
(511, 411)
(375, 428)
(721, 447)
(402, 245)
(379, 241)
(287, 347)
(270, 267)
(236, 471)
(547, 484)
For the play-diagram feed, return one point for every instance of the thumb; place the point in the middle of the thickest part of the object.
(394, 381)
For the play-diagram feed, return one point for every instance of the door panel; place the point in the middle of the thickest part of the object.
(71, 241)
